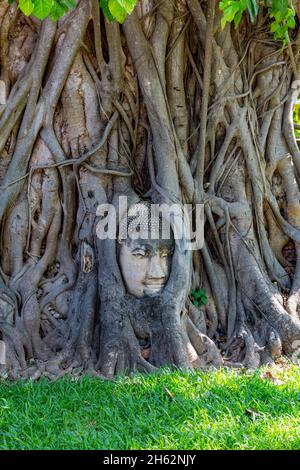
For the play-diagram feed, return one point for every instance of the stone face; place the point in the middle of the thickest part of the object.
(145, 254)
(145, 265)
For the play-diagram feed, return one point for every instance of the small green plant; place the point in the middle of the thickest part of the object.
(199, 297)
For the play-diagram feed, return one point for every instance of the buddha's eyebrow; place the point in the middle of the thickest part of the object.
(144, 247)
(140, 248)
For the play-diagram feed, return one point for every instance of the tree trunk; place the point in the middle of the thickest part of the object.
(165, 108)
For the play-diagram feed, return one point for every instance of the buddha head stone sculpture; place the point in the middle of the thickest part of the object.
(145, 255)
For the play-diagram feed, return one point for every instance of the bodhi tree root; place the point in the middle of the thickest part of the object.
(96, 110)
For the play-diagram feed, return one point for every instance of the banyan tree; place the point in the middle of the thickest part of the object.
(173, 106)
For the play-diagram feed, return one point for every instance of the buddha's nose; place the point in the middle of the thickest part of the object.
(155, 270)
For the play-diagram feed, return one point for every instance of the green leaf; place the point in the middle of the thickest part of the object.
(237, 18)
(280, 6)
(201, 292)
(232, 10)
(274, 27)
(199, 297)
(106, 11)
(117, 10)
(291, 21)
(58, 10)
(128, 5)
(69, 3)
(252, 8)
(223, 22)
(26, 6)
(42, 8)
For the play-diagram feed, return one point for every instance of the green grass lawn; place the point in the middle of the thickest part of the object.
(166, 410)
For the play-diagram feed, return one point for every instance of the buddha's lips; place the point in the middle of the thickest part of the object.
(154, 284)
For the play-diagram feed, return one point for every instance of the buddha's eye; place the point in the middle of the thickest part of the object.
(139, 254)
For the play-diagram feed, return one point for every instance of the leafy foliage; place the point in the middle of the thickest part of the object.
(281, 13)
(234, 9)
(114, 10)
(283, 18)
